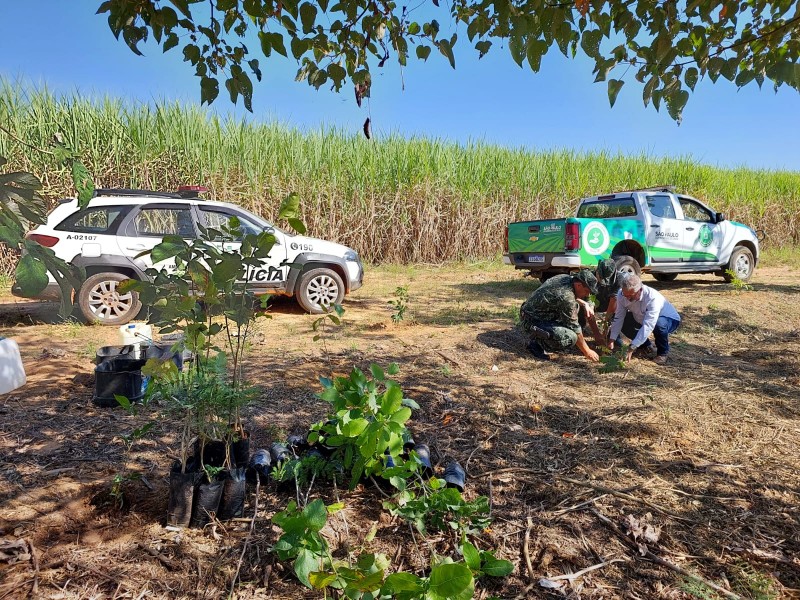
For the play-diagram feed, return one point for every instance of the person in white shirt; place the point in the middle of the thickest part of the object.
(640, 311)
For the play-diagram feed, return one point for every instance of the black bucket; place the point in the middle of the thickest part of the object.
(105, 353)
(455, 476)
(116, 377)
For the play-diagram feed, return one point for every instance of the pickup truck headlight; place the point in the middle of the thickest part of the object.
(351, 256)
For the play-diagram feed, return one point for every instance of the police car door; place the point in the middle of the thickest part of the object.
(702, 237)
(147, 226)
(665, 235)
(272, 275)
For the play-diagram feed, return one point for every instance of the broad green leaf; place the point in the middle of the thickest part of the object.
(308, 16)
(496, 567)
(402, 415)
(392, 369)
(321, 579)
(306, 563)
(370, 583)
(676, 102)
(290, 207)
(377, 372)
(471, 556)
(401, 582)
(614, 86)
(168, 248)
(316, 515)
(354, 428)
(451, 582)
(123, 401)
(31, 275)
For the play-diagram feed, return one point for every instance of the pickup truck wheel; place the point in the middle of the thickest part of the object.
(627, 264)
(741, 263)
(101, 302)
(319, 289)
(664, 276)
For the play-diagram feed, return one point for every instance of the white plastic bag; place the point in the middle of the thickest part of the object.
(12, 373)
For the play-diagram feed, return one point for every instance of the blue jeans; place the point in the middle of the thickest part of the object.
(664, 326)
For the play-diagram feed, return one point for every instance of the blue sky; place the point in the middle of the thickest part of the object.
(64, 45)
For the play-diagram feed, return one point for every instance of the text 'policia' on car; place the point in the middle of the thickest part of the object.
(109, 236)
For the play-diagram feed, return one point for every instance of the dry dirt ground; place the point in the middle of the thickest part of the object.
(704, 450)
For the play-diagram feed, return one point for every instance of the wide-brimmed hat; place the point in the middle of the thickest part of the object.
(586, 277)
(606, 271)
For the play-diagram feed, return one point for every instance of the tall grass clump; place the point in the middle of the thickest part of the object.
(393, 199)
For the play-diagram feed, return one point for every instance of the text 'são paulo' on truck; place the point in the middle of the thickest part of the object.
(653, 230)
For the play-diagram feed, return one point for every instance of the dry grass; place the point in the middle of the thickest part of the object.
(393, 199)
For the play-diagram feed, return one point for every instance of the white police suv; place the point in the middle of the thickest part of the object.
(108, 236)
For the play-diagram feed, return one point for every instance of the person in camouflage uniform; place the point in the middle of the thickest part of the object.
(550, 315)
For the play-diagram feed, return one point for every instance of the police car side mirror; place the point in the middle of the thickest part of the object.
(720, 217)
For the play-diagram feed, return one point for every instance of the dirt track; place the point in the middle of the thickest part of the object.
(706, 446)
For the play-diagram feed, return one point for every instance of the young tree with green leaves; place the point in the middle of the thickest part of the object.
(665, 45)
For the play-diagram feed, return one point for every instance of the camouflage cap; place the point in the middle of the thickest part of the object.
(606, 271)
(586, 277)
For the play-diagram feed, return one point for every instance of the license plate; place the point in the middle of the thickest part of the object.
(536, 258)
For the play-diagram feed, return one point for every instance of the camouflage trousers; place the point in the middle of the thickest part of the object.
(561, 338)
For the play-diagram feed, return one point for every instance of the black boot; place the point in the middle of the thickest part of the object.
(536, 349)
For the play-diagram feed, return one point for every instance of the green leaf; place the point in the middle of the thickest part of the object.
(31, 275)
(354, 428)
(451, 582)
(377, 372)
(423, 52)
(614, 86)
(675, 104)
(495, 567)
(316, 515)
(471, 556)
(402, 415)
(209, 90)
(370, 583)
(123, 401)
(392, 369)
(401, 582)
(82, 181)
(297, 225)
(308, 16)
(290, 207)
(691, 77)
(321, 579)
(170, 247)
(306, 563)
(447, 51)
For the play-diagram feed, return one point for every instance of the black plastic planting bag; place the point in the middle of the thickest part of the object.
(213, 452)
(181, 495)
(233, 493)
(206, 503)
(260, 466)
(240, 451)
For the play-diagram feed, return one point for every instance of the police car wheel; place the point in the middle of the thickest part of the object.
(665, 276)
(627, 264)
(741, 263)
(318, 289)
(101, 302)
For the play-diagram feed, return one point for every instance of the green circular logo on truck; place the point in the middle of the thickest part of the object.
(705, 236)
(596, 238)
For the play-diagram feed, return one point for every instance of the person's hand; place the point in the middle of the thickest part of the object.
(592, 355)
(629, 354)
(610, 345)
(588, 307)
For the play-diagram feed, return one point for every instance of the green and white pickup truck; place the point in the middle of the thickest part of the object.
(652, 230)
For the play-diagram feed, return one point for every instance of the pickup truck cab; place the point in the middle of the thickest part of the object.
(651, 230)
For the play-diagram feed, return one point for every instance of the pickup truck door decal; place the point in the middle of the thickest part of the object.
(665, 236)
